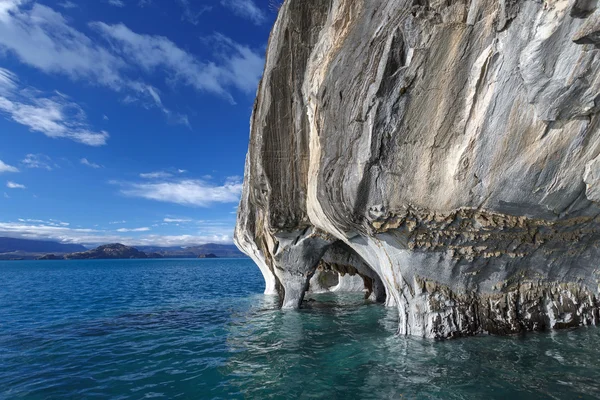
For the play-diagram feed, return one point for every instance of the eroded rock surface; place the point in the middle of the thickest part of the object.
(447, 150)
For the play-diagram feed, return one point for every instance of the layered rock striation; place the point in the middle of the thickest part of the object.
(448, 151)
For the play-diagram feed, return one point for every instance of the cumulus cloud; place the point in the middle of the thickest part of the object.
(14, 185)
(246, 9)
(7, 168)
(55, 116)
(188, 192)
(90, 164)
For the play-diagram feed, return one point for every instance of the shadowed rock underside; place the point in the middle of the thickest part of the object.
(445, 152)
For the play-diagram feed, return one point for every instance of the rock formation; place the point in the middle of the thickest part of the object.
(447, 150)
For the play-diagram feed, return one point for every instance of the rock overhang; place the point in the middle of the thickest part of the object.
(450, 146)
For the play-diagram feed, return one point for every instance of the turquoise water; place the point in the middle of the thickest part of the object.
(201, 329)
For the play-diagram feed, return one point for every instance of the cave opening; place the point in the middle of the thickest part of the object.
(342, 270)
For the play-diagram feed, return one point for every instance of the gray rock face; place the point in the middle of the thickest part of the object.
(446, 150)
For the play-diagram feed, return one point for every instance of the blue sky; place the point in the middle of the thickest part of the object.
(126, 120)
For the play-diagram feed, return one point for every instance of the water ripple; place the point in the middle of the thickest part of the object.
(194, 329)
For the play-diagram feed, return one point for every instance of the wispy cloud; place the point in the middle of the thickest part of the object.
(188, 192)
(90, 164)
(68, 4)
(117, 222)
(64, 234)
(156, 175)
(7, 168)
(116, 3)
(144, 229)
(14, 185)
(246, 9)
(42, 38)
(50, 222)
(41, 161)
(176, 220)
(55, 116)
(240, 67)
(149, 97)
(190, 15)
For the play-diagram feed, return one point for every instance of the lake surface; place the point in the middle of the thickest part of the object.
(201, 329)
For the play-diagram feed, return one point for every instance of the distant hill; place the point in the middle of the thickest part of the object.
(108, 251)
(26, 249)
(219, 250)
(13, 245)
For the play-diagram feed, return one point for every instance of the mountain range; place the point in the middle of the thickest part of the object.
(27, 249)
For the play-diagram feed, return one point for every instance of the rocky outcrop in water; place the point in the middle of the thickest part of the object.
(449, 151)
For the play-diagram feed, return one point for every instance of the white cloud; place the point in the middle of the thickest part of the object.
(117, 222)
(148, 97)
(240, 66)
(64, 234)
(246, 9)
(144, 229)
(190, 15)
(176, 220)
(7, 168)
(68, 4)
(13, 185)
(116, 3)
(188, 192)
(41, 161)
(51, 222)
(156, 175)
(6, 196)
(90, 164)
(8, 81)
(42, 38)
(54, 116)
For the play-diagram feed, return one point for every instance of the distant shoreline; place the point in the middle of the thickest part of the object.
(14, 249)
(128, 259)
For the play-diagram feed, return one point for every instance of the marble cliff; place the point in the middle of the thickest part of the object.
(446, 152)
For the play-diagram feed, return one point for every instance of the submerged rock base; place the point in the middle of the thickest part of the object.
(446, 154)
